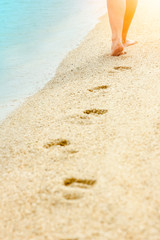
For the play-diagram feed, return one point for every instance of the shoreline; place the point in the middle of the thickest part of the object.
(53, 57)
(80, 159)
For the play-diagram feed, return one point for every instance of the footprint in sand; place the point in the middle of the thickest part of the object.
(122, 68)
(112, 73)
(72, 195)
(72, 151)
(96, 111)
(79, 119)
(77, 182)
(103, 87)
(72, 192)
(57, 142)
(85, 119)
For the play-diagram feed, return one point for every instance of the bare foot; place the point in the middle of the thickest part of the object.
(117, 48)
(129, 42)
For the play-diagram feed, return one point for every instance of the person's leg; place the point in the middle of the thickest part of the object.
(116, 11)
(131, 6)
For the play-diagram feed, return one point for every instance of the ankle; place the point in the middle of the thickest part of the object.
(117, 42)
(124, 38)
(116, 39)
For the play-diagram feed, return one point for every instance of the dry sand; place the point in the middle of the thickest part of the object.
(80, 160)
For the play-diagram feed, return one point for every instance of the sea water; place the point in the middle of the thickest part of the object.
(34, 37)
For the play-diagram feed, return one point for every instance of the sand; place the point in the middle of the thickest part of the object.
(80, 160)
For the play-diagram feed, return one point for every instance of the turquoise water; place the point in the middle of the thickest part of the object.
(34, 37)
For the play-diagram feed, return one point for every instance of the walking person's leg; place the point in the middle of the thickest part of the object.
(121, 13)
(116, 11)
(131, 6)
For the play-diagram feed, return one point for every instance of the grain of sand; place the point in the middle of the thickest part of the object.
(80, 160)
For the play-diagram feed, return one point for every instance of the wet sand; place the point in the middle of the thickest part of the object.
(80, 160)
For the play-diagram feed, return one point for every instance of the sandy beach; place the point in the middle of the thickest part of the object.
(80, 160)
